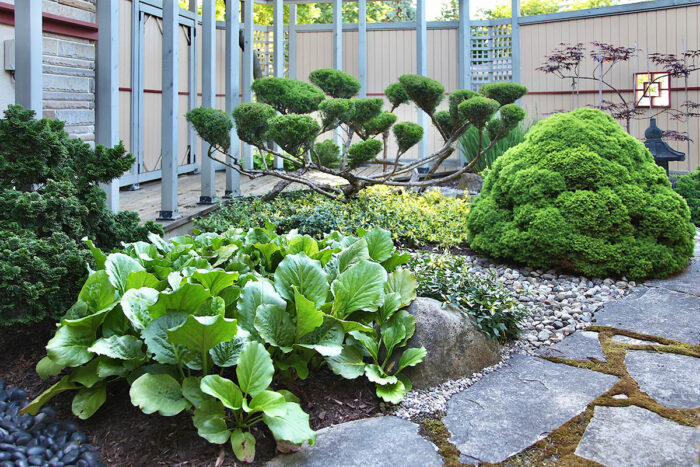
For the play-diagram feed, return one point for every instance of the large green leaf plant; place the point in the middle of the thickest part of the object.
(208, 324)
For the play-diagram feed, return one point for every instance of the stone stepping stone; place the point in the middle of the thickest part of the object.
(581, 345)
(672, 380)
(625, 436)
(657, 312)
(688, 281)
(382, 441)
(513, 408)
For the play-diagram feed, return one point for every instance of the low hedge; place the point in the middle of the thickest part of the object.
(688, 186)
(414, 219)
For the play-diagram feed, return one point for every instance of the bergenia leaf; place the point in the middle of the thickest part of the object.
(223, 389)
(158, 393)
(305, 274)
(308, 317)
(136, 304)
(119, 347)
(403, 282)
(254, 294)
(243, 445)
(255, 369)
(268, 402)
(293, 426)
(353, 254)
(360, 287)
(349, 363)
(210, 420)
(201, 333)
(411, 357)
(391, 393)
(379, 244)
(376, 375)
(88, 400)
(275, 326)
(69, 347)
(118, 267)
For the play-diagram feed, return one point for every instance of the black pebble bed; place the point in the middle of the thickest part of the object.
(39, 440)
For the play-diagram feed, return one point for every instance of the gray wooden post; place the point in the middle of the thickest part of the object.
(192, 98)
(28, 50)
(137, 52)
(246, 149)
(422, 65)
(169, 113)
(338, 34)
(208, 187)
(278, 55)
(515, 40)
(292, 60)
(465, 54)
(362, 46)
(338, 50)
(107, 87)
(233, 76)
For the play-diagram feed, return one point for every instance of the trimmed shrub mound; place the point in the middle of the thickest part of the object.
(688, 186)
(582, 195)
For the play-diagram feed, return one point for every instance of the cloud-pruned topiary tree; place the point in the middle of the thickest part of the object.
(293, 115)
(583, 195)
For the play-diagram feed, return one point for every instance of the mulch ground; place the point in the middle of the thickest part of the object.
(126, 436)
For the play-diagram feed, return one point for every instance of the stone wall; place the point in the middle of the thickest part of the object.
(69, 71)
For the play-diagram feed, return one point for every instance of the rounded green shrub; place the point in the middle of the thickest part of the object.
(328, 153)
(380, 123)
(478, 110)
(688, 186)
(335, 83)
(252, 122)
(444, 119)
(213, 125)
(294, 133)
(582, 195)
(503, 91)
(364, 151)
(396, 94)
(335, 111)
(288, 96)
(425, 92)
(457, 98)
(408, 134)
(365, 110)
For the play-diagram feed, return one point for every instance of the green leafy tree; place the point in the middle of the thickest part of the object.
(541, 7)
(332, 95)
(583, 195)
(688, 186)
(49, 201)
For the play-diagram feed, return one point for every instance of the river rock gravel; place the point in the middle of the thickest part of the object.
(39, 440)
(556, 304)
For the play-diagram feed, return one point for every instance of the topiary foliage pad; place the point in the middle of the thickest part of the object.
(583, 195)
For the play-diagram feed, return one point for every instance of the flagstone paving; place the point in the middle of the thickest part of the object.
(530, 397)
(520, 404)
(632, 436)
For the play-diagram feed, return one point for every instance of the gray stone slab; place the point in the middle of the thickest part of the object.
(631, 340)
(382, 441)
(687, 281)
(655, 311)
(516, 406)
(672, 380)
(632, 436)
(581, 345)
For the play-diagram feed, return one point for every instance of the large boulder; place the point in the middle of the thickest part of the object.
(456, 348)
(471, 183)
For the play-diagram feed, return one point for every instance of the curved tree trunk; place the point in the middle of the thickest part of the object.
(257, 69)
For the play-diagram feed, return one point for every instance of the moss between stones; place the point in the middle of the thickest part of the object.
(436, 431)
(559, 446)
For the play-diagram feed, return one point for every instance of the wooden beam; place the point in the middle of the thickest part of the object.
(169, 112)
(208, 188)
(107, 88)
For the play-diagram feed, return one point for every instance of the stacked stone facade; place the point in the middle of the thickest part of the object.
(69, 71)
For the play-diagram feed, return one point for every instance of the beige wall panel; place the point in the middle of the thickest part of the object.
(124, 44)
(125, 119)
(660, 31)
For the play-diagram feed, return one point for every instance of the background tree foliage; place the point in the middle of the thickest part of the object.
(450, 8)
(314, 13)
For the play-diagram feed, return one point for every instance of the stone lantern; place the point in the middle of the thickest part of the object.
(661, 151)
